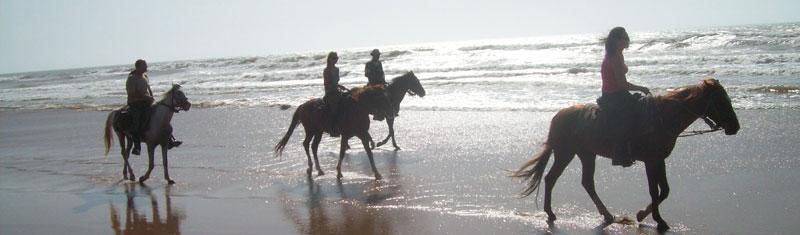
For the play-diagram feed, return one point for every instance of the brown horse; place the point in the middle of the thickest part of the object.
(157, 131)
(678, 110)
(396, 90)
(353, 121)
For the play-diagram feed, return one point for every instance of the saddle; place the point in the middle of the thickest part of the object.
(594, 121)
(123, 121)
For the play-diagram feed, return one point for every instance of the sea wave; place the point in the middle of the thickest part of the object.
(759, 65)
(777, 89)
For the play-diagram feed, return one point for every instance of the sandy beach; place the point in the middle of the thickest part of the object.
(448, 178)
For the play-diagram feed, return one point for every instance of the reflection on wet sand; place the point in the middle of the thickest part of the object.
(345, 207)
(137, 223)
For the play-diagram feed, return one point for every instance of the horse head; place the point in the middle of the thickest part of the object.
(177, 99)
(412, 84)
(719, 108)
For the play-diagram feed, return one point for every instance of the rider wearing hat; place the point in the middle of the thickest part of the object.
(373, 70)
(140, 98)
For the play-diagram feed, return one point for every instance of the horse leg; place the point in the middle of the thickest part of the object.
(164, 161)
(342, 149)
(654, 172)
(562, 159)
(306, 142)
(125, 151)
(664, 186)
(314, 147)
(390, 123)
(365, 141)
(150, 164)
(587, 180)
(346, 145)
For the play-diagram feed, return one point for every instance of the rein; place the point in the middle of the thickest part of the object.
(171, 107)
(711, 124)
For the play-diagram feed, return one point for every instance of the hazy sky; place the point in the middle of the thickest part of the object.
(58, 34)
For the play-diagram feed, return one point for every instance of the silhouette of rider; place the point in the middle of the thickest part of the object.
(332, 93)
(373, 70)
(616, 101)
(140, 98)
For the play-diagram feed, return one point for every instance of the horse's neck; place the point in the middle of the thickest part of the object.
(162, 113)
(396, 92)
(683, 114)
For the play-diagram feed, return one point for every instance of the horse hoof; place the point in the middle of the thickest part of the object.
(662, 227)
(308, 172)
(378, 177)
(320, 173)
(339, 176)
(641, 215)
(608, 219)
(171, 182)
(142, 179)
(551, 219)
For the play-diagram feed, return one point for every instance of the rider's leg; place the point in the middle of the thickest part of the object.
(136, 112)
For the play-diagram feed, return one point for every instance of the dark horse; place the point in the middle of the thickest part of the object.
(396, 90)
(678, 110)
(353, 121)
(156, 133)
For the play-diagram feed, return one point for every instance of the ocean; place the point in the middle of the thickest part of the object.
(487, 107)
(758, 64)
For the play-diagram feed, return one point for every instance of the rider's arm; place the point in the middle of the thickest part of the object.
(619, 75)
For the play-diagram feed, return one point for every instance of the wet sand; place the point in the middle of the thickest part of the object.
(448, 178)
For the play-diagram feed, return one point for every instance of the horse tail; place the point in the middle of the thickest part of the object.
(534, 175)
(281, 144)
(107, 138)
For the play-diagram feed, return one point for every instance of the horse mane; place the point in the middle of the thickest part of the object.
(174, 88)
(357, 92)
(692, 92)
(402, 76)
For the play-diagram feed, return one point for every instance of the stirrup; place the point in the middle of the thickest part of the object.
(174, 144)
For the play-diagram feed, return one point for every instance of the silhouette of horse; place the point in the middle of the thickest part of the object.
(136, 222)
(353, 121)
(396, 90)
(157, 132)
(568, 136)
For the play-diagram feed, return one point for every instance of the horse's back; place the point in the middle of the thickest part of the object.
(121, 119)
(310, 111)
(574, 121)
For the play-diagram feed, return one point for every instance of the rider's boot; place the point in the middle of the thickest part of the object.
(622, 155)
(137, 144)
(173, 142)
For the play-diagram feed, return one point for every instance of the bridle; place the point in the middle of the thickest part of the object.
(711, 124)
(174, 107)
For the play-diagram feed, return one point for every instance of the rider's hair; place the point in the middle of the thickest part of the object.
(616, 34)
(331, 56)
(137, 64)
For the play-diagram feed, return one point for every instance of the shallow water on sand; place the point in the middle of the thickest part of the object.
(449, 177)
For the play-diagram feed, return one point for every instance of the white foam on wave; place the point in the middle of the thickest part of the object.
(539, 73)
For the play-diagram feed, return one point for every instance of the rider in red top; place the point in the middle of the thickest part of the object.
(616, 100)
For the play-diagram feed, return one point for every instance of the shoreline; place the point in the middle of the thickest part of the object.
(446, 179)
